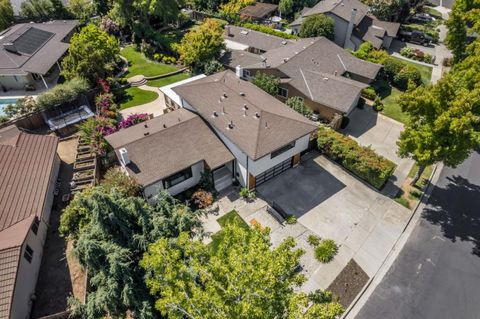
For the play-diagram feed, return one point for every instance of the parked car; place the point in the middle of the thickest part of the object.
(416, 37)
(421, 18)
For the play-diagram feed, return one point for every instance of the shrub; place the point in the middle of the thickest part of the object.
(268, 30)
(407, 74)
(369, 93)
(62, 93)
(378, 105)
(367, 52)
(212, 66)
(106, 107)
(268, 83)
(360, 160)
(392, 66)
(297, 104)
(133, 119)
(313, 240)
(23, 106)
(115, 178)
(291, 219)
(202, 198)
(318, 25)
(247, 194)
(326, 250)
(403, 201)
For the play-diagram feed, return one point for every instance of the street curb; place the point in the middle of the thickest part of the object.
(428, 190)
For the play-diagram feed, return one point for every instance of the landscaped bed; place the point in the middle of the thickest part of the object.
(134, 96)
(139, 64)
(409, 195)
(86, 174)
(348, 283)
(84, 165)
(425, 71)
(360, 160)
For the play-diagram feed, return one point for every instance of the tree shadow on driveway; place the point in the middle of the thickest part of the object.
(456, 209)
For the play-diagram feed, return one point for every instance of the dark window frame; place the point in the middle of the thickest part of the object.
(282, 149)
(28, 254)
(280, 89)
(185, 174)
(35, 225)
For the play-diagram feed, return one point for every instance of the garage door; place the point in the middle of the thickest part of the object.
(272, 172)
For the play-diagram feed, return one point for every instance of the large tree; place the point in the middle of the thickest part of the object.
(242, 277)
(43, 10)
(268, 83)
(111, 232)
(6, 14)
(444, 121)
(201, 44)
(92, 55)
(316, 26)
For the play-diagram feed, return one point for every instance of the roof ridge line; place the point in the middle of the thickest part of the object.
(306, 83)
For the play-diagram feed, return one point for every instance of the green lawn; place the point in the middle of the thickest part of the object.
(139, 64)
(231, 217)
(392, 109)
(425, 71)
(425, 175)
(168, 80)
(134, 96)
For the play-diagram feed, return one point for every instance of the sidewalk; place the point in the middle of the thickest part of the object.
(155, 107)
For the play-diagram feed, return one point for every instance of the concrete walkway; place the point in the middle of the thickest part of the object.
(155, 107)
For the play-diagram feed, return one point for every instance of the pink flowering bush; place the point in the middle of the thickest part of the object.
(132, 120)
(106, 107)
(108, 25)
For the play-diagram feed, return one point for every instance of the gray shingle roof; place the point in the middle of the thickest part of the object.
(341, 8)
(275, 126)
(175, 141)
(48, 46)
(254, 39)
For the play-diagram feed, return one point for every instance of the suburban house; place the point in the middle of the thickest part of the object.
(258, 12)
(30, 53)
(170, 152)
(354, 23)
(264, 135)
(29, 167)
(327, 78)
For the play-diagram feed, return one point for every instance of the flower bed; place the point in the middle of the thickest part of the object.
(416, 54)
(360, 160)
(133, 119)
(84, 165)
(86, 174)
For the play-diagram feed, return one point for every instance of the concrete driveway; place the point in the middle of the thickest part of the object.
(334, 204)
(370, 128)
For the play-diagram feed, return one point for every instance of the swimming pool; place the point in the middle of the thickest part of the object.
(4, 103)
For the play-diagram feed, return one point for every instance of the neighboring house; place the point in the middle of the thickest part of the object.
(239, 38)
(29, 167)
(353, 23)
(170, 152)
(265, 136)
(30, 52)
(328, 78)
(258, 12)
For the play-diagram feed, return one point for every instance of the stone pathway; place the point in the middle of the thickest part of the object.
(156, 107)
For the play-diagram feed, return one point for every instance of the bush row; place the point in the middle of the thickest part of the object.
(268, 30)
(360, 160)
(400, 73)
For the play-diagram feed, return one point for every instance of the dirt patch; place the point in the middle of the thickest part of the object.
(348, 283)
(60, 275)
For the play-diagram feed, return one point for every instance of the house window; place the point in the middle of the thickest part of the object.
(36, 223)
(282, 149)
(246, 73)
(28, 255)
(177, 178)
(283, 92)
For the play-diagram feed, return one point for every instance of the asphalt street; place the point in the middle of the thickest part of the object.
(437, 273)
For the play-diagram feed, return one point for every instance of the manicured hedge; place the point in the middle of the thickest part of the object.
(360, 160)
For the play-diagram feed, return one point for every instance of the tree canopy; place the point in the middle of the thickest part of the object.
(268, 83)
(444, 121)
(243, 277)
(111, 232)
(386, 10)
(316, 26)
(6, 14)
(297, 104)
(92, 55)
(43, 10)
(201, 44)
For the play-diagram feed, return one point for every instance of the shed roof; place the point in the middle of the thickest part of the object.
(258, 10)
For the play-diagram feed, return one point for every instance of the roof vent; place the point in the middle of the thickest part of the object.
(146, 133)
(284, 42)
(223, 109)
(242, 93)
(325, 78)
(215, 114)
(285, 60)
(230, 125)
(245, 107)
(145, 125)
(164, 125)
(266, 124)
(257, 115)
(224, 95)
(244, 32)
(179, 119)
(124, 156)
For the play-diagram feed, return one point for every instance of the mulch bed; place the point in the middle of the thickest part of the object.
(348, 283)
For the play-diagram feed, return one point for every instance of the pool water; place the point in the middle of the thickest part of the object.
(4, 103)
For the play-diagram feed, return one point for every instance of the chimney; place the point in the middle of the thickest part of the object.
(351, 25)
(10, 47)
(124, 160)
(239, 71)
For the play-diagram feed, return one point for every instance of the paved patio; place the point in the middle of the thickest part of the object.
(370, 128)
(334, 204)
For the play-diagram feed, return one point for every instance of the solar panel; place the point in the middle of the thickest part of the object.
(31, 40)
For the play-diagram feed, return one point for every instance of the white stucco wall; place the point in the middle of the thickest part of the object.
(262, 164)
(27, 274)
(153, 189)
